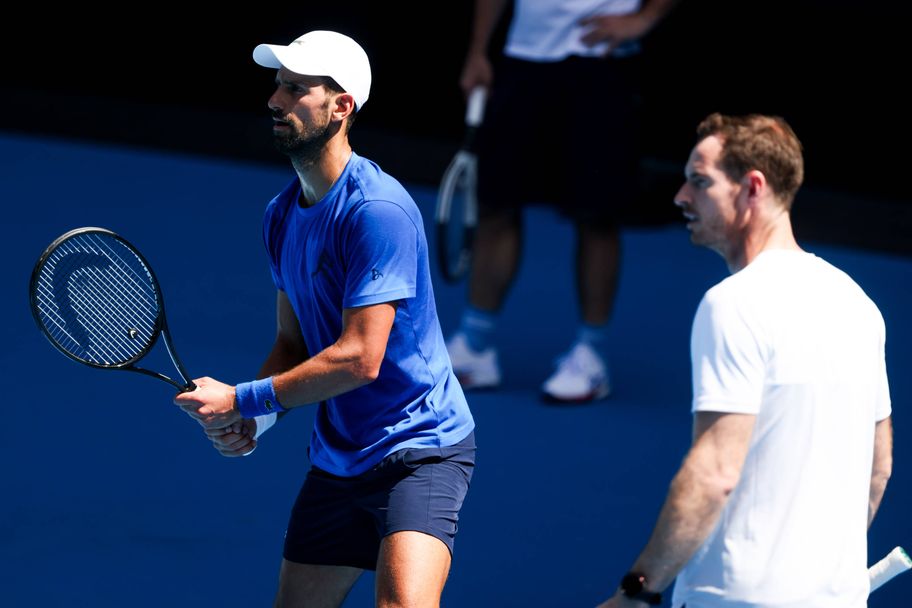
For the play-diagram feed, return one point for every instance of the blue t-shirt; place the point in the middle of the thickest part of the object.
(361, 244)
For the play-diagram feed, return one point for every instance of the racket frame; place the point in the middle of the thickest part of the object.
(160, 327)
(461, 167)
(464, 166)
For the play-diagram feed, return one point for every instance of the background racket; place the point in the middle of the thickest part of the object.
(98, 302)
(457, 206)
(896, 562)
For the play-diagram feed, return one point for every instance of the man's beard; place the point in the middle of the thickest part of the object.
(303, 146)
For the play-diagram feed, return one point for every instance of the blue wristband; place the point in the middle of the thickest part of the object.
(257, 398)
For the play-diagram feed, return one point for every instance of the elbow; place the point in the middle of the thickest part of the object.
(366, 369)
(726, 487)
(720, 486)
(715, 485)
(367, 376)
(724, 480)
(717, 489)
(357, 361)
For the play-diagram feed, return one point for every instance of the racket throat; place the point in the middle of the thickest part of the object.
(172, 352)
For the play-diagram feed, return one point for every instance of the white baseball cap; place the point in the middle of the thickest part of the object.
(322, 53)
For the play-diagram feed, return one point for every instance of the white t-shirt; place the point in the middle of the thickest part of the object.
(549, 30)
(796, 342)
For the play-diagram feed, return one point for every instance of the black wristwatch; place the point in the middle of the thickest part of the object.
(632, 586)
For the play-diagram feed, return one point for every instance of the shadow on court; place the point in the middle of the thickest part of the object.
(114, 498)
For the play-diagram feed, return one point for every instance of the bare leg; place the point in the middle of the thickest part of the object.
(495, 259)
(411, 571)
(598, 259)
(309, 586)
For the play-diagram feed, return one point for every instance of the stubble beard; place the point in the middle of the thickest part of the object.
(305, 145)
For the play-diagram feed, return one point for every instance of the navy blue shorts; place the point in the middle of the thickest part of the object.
(340, 521)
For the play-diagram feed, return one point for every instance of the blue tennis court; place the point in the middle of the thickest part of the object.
(113, 497)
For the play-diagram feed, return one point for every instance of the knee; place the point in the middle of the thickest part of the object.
(402, 592)
(411, 571)
(406, 602)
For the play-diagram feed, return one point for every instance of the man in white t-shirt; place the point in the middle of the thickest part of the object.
(792, 444)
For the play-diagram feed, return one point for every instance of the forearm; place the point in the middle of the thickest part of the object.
(697, 495)
(653, 11)
(617, 29)
(882, 467)
(331, 372)
(878, 487)
(688, 516)
(351, 362)
(487, 16)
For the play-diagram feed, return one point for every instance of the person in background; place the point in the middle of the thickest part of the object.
(560, 128)
(792, 435)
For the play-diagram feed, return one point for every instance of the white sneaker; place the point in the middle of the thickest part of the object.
(581, 376)
(473, 369)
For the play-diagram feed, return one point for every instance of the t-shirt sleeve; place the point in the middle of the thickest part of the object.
(727, 359)
(381, 252)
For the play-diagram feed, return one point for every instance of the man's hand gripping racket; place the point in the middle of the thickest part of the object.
(457, 206)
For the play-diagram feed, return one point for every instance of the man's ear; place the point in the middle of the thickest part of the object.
(755, 184)
(345, 106)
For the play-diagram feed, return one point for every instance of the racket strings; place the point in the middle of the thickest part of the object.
(105, 324)
(97, 300)
(95, 303)
(123, 295)
(95, 326)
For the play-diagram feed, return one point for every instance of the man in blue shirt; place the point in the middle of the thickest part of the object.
(392, 450)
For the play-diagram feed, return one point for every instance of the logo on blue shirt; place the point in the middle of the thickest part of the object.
(375, 274)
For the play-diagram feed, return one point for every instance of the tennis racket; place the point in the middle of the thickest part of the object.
(457, 205)
(896, 562)
(96, 299)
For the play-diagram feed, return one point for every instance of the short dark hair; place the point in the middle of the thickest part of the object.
(756, 141)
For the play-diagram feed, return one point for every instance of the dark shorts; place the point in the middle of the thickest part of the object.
(340, 521)
(563, 134)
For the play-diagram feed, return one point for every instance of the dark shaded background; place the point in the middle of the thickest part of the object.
(181, 77)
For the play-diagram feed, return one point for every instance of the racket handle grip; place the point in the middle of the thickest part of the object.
(476, 106)
(896, 562)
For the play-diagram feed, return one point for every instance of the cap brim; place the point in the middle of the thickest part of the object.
(275, 56)
(265, 55)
